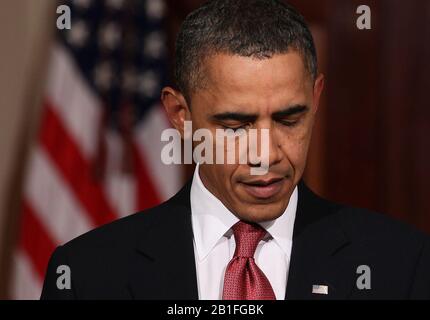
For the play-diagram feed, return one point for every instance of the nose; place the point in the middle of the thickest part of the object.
(267, 141)
(275, 151)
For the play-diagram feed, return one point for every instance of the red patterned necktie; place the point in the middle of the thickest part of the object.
(243, 279)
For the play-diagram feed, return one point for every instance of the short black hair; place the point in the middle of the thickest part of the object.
(248, 28)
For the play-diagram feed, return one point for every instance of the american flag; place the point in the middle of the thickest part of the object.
(97, 154)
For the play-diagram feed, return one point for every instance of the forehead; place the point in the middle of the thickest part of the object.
(245, 81)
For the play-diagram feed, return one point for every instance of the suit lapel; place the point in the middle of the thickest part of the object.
(164, 264)
(318, 253)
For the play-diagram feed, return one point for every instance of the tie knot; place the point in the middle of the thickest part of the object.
(247, 236)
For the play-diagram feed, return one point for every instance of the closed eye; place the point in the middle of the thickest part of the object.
(289, 123)
(291, 116)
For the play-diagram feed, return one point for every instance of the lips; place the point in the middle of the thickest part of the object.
(264, 189)
(263, 182)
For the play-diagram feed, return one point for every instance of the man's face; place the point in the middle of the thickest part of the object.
(278, 94)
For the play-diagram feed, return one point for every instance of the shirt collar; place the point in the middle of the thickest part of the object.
(211, 220)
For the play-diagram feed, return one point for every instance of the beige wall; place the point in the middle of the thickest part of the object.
(25, 29)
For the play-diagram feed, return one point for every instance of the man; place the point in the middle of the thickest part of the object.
(251, 65)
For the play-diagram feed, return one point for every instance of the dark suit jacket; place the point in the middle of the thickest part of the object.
(150, 255)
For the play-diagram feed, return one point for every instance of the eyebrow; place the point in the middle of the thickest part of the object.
(289, 111)
(251, 117)
(235, 116)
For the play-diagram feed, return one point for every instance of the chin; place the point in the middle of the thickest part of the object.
(263, 213)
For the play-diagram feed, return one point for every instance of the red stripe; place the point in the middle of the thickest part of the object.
(35, 241)
(147, 195)
(67, 156)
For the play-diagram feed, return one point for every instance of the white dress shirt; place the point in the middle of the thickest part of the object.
(214, 242)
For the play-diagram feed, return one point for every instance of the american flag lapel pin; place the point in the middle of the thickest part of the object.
(319, 289)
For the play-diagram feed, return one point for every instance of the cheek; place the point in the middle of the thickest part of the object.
(223, 174)
(295, 145)
(295, 151)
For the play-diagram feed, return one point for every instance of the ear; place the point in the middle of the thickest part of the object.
(176, 108)
(318, 88)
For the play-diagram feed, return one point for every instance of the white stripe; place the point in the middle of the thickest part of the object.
(167, 178)
(26, 285)
(53, 201)
(120, 186)
(73, 99)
